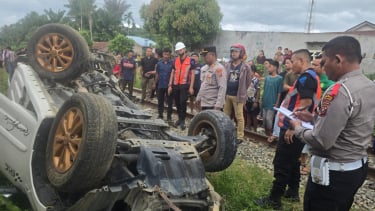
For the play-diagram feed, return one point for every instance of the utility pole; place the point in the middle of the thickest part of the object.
(309, 21)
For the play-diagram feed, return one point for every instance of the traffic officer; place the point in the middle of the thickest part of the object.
(342, 130)
(211, 95)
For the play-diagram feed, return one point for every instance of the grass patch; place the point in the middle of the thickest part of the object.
(138, 80)
(242, 183)
(3, 80)
(6, 204)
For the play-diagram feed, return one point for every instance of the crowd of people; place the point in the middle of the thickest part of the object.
(7, 60)
(327, 91)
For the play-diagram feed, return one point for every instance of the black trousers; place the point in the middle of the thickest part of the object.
(162, 94)
(124, 83)
(339, 195)
(180, 95)
(286, 166)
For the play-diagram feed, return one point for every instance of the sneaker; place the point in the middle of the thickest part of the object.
(239, 141)
(182, 126)
(267, 202)
(177, 123)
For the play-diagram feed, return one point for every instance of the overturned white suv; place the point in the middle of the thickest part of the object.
(71, 140)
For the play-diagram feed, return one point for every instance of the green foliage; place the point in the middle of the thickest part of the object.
(138, 80)
(121, 43)
(6, 204)
(192, 21)
(371, 76)
(86, 34)
(3, 81)
(16, 35)
(242, 183)
(261, 69)
(101, 24)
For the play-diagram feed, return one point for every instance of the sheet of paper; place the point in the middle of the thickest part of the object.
(289, 114)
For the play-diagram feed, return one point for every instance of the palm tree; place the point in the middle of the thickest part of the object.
(54, 17)
(116, 8)
(82, 9)
(128, 18)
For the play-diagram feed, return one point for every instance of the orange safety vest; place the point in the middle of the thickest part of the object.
(181, 71)
(292, 100)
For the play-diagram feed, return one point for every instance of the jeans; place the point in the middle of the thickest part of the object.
(276, 128)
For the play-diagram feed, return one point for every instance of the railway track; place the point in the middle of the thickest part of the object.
(258, 137)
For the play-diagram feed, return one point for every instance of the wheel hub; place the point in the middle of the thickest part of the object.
(54, 52)
(68, 139)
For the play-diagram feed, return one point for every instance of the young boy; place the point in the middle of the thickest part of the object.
(273, 86)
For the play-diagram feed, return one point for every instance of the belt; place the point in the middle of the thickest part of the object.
(335, 166)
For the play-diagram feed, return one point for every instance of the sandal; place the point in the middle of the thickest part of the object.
(271, 139)
(305, 170)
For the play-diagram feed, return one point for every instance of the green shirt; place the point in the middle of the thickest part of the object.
(272, 87)
(325, 82)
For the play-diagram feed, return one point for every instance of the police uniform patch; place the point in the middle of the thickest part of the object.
(327, 100)
(219, 72)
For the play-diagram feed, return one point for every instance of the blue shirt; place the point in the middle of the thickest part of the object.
(127, 69)
(164, 70)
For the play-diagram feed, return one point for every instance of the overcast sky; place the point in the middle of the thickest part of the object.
(240, 15)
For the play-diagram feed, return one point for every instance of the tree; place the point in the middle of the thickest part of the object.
(116, 9)
(86, 34)
(16, 35)
(128, 18)
(121, 43)
(191, 21)
(108, 20)
(82, 10)
(55, 17)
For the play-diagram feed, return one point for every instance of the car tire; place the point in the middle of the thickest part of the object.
(81, 143)
(219, 151)
(58, 52)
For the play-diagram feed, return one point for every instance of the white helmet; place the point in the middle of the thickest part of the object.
(179, 46)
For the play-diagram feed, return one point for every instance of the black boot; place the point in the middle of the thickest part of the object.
(267, 202)
(292, 194)
(273, 200)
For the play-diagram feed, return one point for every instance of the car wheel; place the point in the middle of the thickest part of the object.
(57, 52)
(81, 143)
(219, 151)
